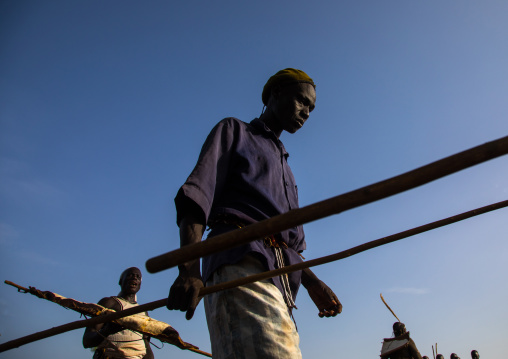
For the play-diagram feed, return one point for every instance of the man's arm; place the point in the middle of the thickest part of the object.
(149, 353)
(324, 298)
(183, 294)
(94, 335)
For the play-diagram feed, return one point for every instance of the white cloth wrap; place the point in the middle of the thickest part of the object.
(251, 321)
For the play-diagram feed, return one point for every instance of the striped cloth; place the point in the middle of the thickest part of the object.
(251, 321)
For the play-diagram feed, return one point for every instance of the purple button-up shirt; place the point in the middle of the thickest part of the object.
(242, 175)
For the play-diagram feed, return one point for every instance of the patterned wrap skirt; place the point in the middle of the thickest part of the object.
(251, 321)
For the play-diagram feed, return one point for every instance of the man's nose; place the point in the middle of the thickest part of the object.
(305, 112)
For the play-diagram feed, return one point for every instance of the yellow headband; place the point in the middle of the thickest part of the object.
(282, 78)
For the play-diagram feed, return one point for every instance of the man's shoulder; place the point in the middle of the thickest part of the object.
(232, 126)
(110, 302)
(233, 121)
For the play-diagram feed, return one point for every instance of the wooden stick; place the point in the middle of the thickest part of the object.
(250, 279)
(352, 251)
(28, 290)
(387, 306)
(335, 205)
(80, 324)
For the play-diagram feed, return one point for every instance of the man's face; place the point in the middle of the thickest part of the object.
(293, 105)
(131, 281)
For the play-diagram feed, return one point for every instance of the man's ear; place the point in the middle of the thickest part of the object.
(274, 97)
(276, 92)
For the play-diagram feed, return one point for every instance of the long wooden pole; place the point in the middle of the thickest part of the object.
(352, 251)
(250, 279)
(335, 205)
(27, 290)
(80, 324)
(387, 306)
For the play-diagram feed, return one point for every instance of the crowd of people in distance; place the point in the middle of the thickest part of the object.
(474, 355)
(401, 346)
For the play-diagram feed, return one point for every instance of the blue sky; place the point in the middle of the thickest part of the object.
(104, 106)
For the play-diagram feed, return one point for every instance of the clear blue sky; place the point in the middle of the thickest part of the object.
(104, 106)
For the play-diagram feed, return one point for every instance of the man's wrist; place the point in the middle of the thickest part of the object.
(309, 278)
(190, 270)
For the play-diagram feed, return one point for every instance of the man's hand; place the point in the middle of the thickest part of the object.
(183, 294)
(324, 298)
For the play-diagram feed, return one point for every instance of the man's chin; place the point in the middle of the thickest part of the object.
(293, 129)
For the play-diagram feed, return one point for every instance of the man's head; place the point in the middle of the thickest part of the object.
(398, 328)
(290, 97)
(425, 357)
(440, 356)
(283, 78)
(475, 355)
(454, 356)
(130, 280)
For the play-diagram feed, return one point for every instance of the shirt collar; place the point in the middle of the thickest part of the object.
(260, 125)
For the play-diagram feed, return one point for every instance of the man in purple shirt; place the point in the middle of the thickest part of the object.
(242, 177)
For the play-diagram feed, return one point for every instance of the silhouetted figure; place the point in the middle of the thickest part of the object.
(111, 339)
(401, 346)
(440, 356)
(425, 357)
(475, 355)
(454, 356)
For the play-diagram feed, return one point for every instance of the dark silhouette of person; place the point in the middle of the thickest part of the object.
(454, 356)
(475, 355)
(111, 339)
(401, 346)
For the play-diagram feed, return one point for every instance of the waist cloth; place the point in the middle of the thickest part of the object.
(250, 321)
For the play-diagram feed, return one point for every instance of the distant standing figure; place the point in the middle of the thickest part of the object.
(475, 355)
(401, 346)
(111, 339)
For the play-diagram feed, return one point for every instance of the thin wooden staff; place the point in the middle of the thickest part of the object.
(387, 306)
(253, 278)
(331, 206)
(88, 311)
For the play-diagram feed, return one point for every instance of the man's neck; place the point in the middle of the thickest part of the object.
(131, 298)
(271, 122)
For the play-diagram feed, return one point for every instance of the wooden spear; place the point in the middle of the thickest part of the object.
(335, 205)
(250, 279)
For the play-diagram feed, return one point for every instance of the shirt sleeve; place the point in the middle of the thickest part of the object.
(207, 179)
